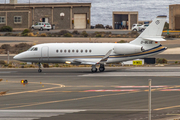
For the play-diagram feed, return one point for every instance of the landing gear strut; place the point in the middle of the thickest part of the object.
(39, 70)
(101, 68)
(94, 69)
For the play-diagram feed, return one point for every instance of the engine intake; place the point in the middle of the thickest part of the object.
(127, 48)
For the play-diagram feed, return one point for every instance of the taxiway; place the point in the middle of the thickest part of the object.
(120, 93)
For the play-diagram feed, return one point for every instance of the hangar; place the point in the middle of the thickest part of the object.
(62, 15)
(174, 17)
(124, 19)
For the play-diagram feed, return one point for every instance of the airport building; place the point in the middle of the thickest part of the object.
(124, 20)
(174, 17)
(62, 15)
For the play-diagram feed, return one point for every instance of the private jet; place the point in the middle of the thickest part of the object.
(146, 44)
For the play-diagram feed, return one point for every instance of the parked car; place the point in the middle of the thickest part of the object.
(136, 27)
(41, 26)
(143, 27)
(139, 27)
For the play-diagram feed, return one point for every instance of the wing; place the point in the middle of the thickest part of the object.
(102, 61)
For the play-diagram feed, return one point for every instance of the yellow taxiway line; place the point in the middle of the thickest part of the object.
(164, 108)
(38, 90)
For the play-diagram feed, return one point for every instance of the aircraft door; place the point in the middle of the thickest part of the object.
(45, 54)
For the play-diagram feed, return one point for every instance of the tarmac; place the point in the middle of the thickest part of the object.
(119, 93)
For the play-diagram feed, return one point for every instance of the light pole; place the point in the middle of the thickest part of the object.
(149, 101)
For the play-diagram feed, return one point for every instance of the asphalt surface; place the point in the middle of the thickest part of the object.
(119, 93)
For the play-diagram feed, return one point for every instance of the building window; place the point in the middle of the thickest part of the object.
(17, 19)
(2, 19)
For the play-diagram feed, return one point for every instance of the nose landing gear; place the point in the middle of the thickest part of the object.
(39, 70)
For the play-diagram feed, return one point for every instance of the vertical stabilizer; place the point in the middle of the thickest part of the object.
(152, 33)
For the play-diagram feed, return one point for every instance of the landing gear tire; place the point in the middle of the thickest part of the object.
(39, 71)
(94, 70)
(101, 69)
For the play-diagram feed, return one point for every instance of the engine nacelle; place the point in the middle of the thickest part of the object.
(127, 48)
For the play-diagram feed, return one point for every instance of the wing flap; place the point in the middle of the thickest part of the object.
(77, 61)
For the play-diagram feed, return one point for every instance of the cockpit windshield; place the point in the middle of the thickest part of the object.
(33, 49)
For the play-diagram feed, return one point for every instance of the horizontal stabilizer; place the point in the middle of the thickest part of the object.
(155, 39)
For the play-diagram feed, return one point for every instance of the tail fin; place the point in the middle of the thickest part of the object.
(152, 32)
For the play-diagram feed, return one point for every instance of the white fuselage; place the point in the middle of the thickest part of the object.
(87, 52)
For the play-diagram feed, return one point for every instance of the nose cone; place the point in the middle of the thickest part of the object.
(17, 57)
(20, 56)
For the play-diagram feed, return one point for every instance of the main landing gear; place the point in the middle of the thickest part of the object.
(93, 69)
(101, 68)
(39, 70)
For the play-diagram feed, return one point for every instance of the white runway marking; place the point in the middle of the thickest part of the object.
(133, 74)
(36, 114)
(7, 72)
(32, 114)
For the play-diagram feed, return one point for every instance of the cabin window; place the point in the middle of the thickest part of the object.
(69, 51)
(32, 49)
(73, 51)
(65, 51)
(86, 51)
(61, 51)
(90, 51)
(77, 51)
(81, 51)
(57, 51)
(35, 49)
